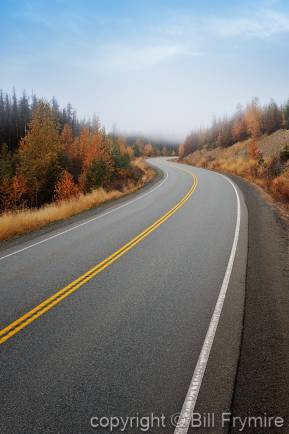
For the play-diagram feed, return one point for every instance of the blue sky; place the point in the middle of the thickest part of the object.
(153, 66)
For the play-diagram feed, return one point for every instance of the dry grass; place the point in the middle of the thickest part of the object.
(236, 160)
(19, 222)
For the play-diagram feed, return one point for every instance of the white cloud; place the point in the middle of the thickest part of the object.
(264, 24)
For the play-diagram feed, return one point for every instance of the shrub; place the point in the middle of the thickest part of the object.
(97, 175)
(280, 187)
(65, 187)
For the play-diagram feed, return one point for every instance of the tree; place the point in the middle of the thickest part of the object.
(130, 152)
(95, 147)
(272, 118)
(239, 129)
(65, 187)
(38, 155)
(97, 174)
(285, 112)
(253, 119)
(18, 190)
(119, 153)
(70, 158)
(6, 163)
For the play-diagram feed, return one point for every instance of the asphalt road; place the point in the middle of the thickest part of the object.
(127, 341)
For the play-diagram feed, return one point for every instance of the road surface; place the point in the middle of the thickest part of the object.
(124, 339)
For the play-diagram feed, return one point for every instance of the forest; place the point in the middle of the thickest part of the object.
(47, 154)
(253, 143)
(251, 122)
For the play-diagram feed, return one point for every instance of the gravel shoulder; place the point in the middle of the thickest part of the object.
(262, 382)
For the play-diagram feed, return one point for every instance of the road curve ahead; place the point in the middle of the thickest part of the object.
(127, 315)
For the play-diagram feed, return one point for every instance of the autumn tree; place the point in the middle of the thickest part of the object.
(271, 117)
(95, 147)
(65, 187)
(18, 191)
(253, 119)
(70, 157)
(38, 155)
(130, 152)
(239, 129)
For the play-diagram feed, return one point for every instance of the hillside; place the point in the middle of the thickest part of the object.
(263, 161)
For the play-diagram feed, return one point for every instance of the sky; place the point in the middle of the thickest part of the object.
(159, 67)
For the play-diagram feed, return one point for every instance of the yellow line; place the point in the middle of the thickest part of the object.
(23, 321)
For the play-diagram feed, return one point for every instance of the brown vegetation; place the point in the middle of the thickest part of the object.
(253, 143)
(251, 122)
(271, 172)
(47, 154)
(56, 170)
(22, 221)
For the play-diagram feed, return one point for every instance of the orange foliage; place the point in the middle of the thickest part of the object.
(65, 187)
(130, 152)
(253, 119)
(280, 187)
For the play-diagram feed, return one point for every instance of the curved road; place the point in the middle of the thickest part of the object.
(125, 339)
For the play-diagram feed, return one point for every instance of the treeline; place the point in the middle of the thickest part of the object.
(48, 155)
(151, 147)
(251, 122)
(16, 113)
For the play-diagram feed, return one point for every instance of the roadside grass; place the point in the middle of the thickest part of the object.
(265, 169)
(22, 221)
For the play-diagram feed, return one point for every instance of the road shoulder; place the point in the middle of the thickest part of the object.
(262, 385)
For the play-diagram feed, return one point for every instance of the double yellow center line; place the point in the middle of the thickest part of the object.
(13, 328)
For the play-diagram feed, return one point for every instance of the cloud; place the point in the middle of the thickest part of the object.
(264, 24)
(136, 57)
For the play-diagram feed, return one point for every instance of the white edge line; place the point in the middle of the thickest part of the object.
(86, 222)
(196, 382)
